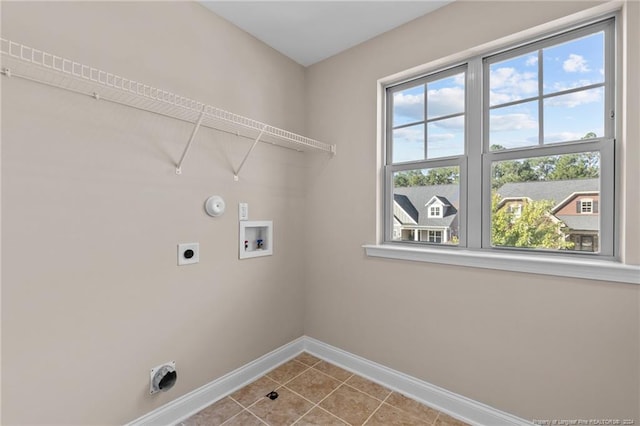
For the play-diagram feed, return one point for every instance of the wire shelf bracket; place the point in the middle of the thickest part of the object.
(191, 138)
(35, 65)
(237, 172)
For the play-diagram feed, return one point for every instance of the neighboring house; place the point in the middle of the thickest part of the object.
(576, 205)
(429, 213)
(426, 213)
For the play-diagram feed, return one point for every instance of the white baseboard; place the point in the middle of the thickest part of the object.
(187, 405)
(457, 406)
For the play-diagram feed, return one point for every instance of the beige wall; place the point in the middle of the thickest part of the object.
(92, 211)
(541, 347)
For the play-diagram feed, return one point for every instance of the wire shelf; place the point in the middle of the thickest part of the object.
(36, 65)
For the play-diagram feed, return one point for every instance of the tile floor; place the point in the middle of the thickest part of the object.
(314, 392)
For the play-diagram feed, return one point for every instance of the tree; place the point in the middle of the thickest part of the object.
(584, 165)
(533, 228)
(439, 176)
(575, 166)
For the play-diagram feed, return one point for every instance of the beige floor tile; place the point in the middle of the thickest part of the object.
(369, 387)
(307, 359)
(244, 419)
(350, 405)
(412, 407)
(215, 414)
(332, 370)
(445, 420)
(313, 385)
(319, 417)
(287, 371)
(284, 410)
(387, 415)
(254, 391)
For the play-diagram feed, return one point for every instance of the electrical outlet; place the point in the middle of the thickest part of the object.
(243, 211)
(188, 253)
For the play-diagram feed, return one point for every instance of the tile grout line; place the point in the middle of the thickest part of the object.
(308, 367)
(317, 405)
(319, 402)
(376, 410)
(283, 385)
(294, 377)
(242, 411)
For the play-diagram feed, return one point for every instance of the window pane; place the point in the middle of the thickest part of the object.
(425, 205)
(513, 79)
(408, 143)
(574, 116)
(514, 126)
(577, 63)
(408, 106)
(549, 203)
(445, 138)
(445, 96)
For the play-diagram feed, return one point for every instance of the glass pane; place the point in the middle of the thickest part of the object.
(514, 126)
(445, 96)
(549, 203)
(574, 64)
(513, 79)
(425, 205)
(445, 138)
(408, 144)
(574, 116)
(408, 106)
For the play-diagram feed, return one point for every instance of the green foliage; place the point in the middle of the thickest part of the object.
(558, 167)
(439, 176)
(534, 228)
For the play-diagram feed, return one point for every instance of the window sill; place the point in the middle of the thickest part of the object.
(592, 269)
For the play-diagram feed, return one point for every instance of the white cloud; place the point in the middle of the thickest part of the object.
(410, 134)
(442, 137)
(507, 84)
(562, 136)
(459, 79)
(532, 60)
(410, 106)
(560, 86)
(575, 63)
(510, 122)
(455, 123)
(575, 99)
(445, 101)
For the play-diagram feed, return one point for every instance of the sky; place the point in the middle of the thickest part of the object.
(574, 64)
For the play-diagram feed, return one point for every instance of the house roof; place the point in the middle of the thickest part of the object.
(584, 222)
(557, 190)
(419, 197)
(414, 200)
(439, 198)
(406, 205)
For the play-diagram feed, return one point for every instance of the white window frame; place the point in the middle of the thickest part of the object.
(606, 266)
(434, 232)
(435, 211)
(454, 161)
(604, 145)
(586, 206)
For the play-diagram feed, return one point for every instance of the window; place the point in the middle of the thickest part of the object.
(435, 237)
(586, 206)
(508, 144)
(515, 210)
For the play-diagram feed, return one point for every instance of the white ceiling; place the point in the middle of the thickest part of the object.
(310, 31)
